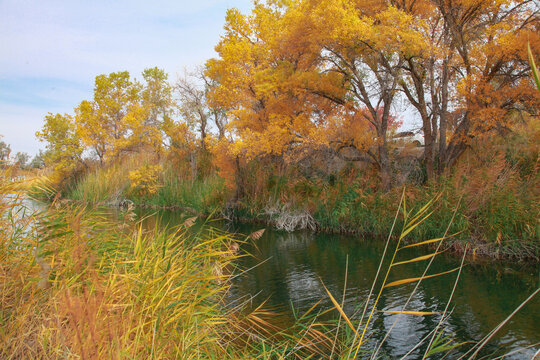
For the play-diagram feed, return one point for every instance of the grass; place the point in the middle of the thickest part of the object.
(75, 285)
(78, 285)
(110, 185)
(205, 195)
(498, 215)
(100, 185)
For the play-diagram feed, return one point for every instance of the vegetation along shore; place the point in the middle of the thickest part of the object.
(306, 134)
(414, 123)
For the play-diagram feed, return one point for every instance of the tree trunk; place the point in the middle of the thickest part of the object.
(193, 163)
(384, 164)
(443, 117)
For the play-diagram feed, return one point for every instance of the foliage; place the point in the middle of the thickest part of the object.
(117, 120)
(90, 290)
(21, 159)
(77, 284)
(5, 151)
(144, 181)
(297, 116)
(38, 161)
(64, 148)
(336, 86)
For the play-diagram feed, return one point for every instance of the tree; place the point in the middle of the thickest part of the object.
(21, 159)
(5, 151)
(157, 100)
(193, 104)
(474, 78)
(64, 147)
(103, 123)
(289, 76)
(362, 45)
(292, 78)
(267, 113)
(125, 115)
(38, 161)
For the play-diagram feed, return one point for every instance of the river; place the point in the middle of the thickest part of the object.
(288, 271)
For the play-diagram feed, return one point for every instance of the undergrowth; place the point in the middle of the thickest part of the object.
(76, 285)
(499, 192)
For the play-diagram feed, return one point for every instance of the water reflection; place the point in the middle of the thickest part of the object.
(296, 264)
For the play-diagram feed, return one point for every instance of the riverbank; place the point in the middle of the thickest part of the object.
(495, 218)
(76, 283)
(495, 250)
(70, 270)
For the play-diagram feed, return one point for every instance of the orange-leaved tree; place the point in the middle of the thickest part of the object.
(474, 77)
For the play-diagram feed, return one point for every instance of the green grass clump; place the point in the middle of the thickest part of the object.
(204, 195)
(100, 185)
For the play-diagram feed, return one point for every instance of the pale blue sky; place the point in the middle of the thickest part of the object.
(51, 51)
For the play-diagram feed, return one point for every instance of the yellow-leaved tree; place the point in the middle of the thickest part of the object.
(64, 148)
(125, 115)
(290, 78)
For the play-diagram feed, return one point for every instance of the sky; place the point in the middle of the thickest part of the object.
(51, 51)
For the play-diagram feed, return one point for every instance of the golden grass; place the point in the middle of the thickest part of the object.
(75, 285)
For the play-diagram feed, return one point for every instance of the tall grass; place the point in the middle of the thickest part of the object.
(75, 285)
(204, 195)
(111, 185)
(100, 185)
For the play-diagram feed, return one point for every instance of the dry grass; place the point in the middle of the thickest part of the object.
(75, 285)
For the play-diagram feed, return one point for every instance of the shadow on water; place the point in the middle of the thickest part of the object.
(287, 270)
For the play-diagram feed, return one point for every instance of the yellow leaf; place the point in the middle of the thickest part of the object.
(338, 307)
(410, 280)
(407, 312)
(419, 258)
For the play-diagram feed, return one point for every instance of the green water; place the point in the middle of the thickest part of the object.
(288, 270)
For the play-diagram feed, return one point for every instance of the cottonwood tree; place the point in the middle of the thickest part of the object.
(21, 159)
(474, 78)
(64, 148)
(267, 112)
(157, 99)
(125, 115)
(460, 63)
(101, 122)
(292, 78)
(192, 103)
(362, 46)
(198, 114)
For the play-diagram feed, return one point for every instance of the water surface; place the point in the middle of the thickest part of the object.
(289, 269)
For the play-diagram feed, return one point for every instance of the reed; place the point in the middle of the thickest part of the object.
(205, 195)
(76, 285)
(100, 185)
